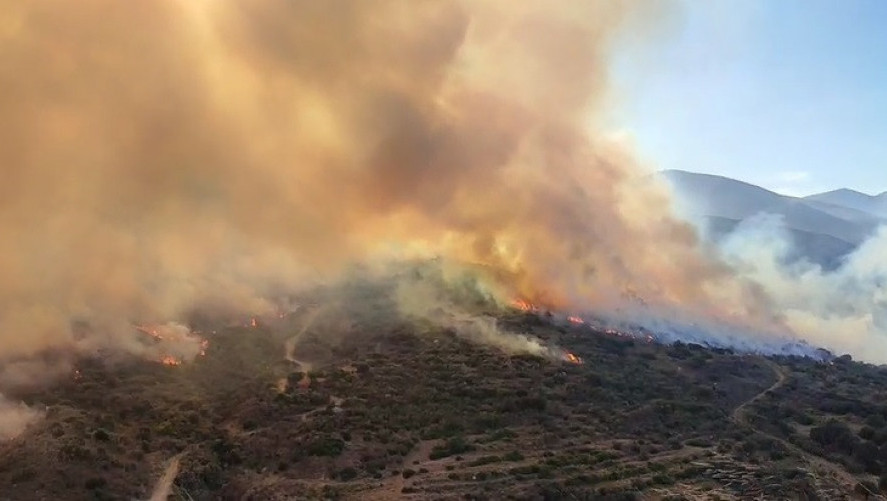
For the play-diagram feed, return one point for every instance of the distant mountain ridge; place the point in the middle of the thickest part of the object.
(872, 204)
(825, 227)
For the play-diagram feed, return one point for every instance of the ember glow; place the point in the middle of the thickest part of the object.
(151, 331)
(522, 305)
(573, 359)
(170, 360)
(172, 344)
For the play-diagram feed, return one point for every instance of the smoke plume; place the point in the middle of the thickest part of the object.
(15, 417)
(419, 299)
(166, 156)
(844, 309)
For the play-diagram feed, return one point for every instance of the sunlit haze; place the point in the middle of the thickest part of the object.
(789, 95)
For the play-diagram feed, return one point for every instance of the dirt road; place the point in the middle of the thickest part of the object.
(818, 464)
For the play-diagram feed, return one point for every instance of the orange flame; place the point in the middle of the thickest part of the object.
(575, 320)
(149, 331)
(573, 359)
(170, 360)
(168, 334)
(253, 322)
(523, 305)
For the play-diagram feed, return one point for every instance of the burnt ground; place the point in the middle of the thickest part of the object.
(398, 410)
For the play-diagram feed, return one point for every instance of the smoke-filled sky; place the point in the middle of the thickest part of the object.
(790, 95)
(166, 156)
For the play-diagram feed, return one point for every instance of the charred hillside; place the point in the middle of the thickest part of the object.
(378, 407)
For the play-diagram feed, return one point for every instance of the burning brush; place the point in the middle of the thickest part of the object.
(172, 344)
(571, 358)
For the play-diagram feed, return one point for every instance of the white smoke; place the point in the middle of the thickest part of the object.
(15, 417)
(844, 310)
(423, 301)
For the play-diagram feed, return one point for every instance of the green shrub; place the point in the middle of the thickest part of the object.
(484, 460)
(662, 479)
(453, 446)
(325, 446)
(346, 474)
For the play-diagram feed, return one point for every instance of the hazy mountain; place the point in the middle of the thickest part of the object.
(847, 213)
(825, 250)
(825, 227)
(874, 205)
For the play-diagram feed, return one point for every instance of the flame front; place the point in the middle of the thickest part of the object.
(151, 331)
(173, 344)
(523, 305)
(573, 359)
(170, 360)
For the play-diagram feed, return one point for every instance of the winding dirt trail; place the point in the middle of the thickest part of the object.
(819, 464)
(740, 414)
(164, 485)
(393, 486)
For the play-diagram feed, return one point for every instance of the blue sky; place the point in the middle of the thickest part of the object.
(787, 94)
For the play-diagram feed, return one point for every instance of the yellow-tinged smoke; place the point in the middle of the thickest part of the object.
(15, 418)
(159, 156)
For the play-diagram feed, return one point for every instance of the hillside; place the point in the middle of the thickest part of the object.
(855, 200)
(394, 409)
(825, 250)
(823, 230)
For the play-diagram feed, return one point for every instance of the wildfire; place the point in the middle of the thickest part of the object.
(573, 359)
(527, 306)
(151, 331)
(173, 338)
(253, 322)
(170, 360)
(522, 305)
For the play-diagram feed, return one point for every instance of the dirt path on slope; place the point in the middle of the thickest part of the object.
(740, 416)
(393, 486)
